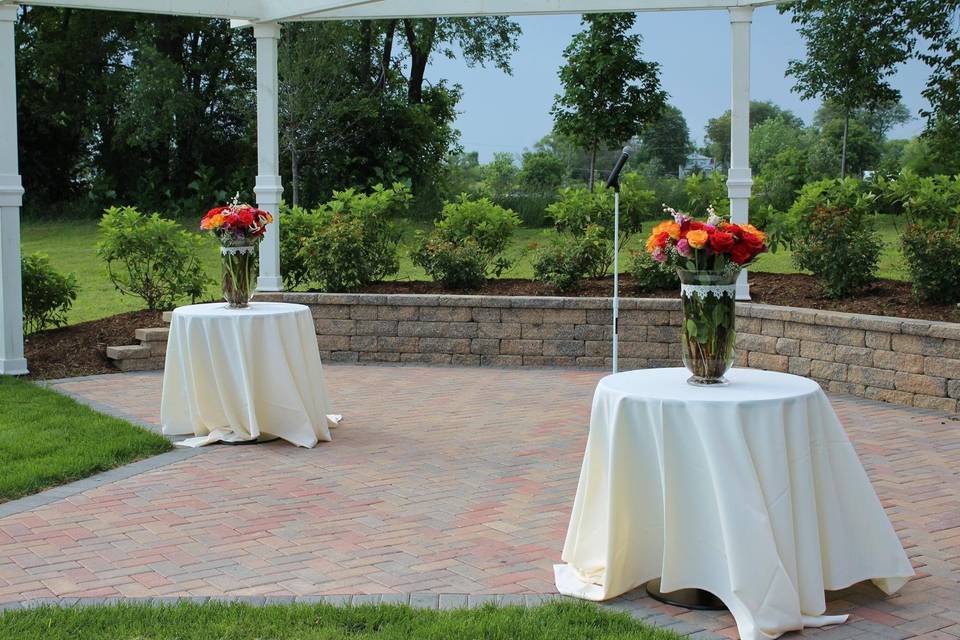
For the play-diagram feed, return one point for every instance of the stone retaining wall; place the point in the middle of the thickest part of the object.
(911, 362)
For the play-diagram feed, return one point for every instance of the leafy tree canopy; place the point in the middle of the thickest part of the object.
(610, 94)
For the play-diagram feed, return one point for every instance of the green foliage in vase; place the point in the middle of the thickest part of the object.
(47, 293)
(152, 258)
(467, 243)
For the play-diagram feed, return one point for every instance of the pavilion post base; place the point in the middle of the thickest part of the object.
(686, 598)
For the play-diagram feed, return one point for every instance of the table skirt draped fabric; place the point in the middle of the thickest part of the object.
(752, 492)
(238, 375)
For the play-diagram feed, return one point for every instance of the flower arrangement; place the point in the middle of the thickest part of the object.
(708, 257)
(714, 245)
(236, 224)
(239, 227)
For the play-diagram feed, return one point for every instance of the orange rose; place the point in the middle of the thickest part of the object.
(698, 238)
(749, 228)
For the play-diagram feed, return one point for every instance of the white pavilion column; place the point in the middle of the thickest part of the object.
(268, 187)
(739, 176)
(12, 361)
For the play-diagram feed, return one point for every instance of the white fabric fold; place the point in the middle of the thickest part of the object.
(237, 375)
(751, 491)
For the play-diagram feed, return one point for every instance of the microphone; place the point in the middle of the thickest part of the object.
(614, 180)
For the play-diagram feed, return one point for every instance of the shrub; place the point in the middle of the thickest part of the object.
(933, 259)
(466, 244)
(47, 294)
(348, 242)
(567, 257)
(152, 258)
(297, 225)
(651, 275)
(839, 247)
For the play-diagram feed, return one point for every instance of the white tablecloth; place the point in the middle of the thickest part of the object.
(242, 374)
(750, 491)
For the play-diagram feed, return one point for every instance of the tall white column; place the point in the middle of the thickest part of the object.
(739, 176)
(268, 187)
(12, 361)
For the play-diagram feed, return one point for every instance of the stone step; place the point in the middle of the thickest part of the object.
(156, 334)
(140, 364)
(167, 316)
(129, 352)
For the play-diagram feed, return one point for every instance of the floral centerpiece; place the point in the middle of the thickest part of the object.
(708, 257)
(239, 227)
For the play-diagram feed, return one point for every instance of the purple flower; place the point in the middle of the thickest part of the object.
(659, 255)
(683, 248)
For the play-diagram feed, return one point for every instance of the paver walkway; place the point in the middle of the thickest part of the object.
(441, 480)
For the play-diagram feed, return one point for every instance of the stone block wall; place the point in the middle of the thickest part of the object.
(909, 362)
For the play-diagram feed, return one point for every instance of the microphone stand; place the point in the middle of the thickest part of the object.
(614, 182)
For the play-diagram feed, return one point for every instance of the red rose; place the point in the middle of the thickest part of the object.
(213, 212)
(752, 241)
(245, 217)
(741, 253)
(721, 242)
(697, 225)
(731, 228)
(662, 239)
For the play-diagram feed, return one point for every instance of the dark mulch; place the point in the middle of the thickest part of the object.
(80, 349)
(883, 298)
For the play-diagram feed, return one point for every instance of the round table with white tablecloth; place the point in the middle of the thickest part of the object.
(237, 375)
(750, 491)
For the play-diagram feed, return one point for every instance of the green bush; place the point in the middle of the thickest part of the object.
(467, 243)
(839, 247)
(152, 258)
(933, 259)
(651, 275)
(47, 294)
(932, 199)
(578, 210)
(567, 257)
(346, 243)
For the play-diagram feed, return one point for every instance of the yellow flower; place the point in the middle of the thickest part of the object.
(697, 238)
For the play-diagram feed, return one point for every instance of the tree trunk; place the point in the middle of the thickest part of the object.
(419, 56)
(843, 146)
(294, 176)
(593, 164)
(387, 56)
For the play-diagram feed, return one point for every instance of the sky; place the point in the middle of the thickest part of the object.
(500, 112)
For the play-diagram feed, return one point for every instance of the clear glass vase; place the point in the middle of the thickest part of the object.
(708, 334)
(238, 270)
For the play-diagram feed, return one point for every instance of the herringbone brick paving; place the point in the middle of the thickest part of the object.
(440, 480)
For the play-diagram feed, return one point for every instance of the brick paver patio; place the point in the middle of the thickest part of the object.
(440, 480)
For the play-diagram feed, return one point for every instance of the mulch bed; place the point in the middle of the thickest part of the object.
(883, 298)
(80, 349)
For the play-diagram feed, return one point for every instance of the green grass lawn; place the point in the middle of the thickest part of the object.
(72, 247)
(47, 439)
(555, 621)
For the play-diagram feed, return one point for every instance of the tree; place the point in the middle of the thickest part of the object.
(500, 174)
(610, 94)
(666, 141)
(718, 129)
(479, 40)
(852, 47)
(541, 171)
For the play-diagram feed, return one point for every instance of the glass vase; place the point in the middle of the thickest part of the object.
(708, 334)
(238, 270)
